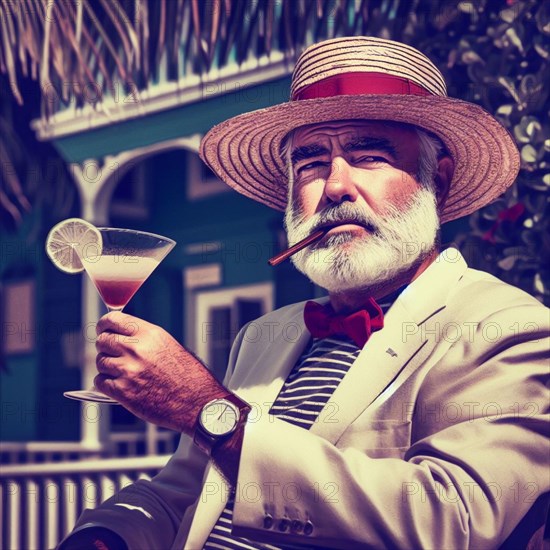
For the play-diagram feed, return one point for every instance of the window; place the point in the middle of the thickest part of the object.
(18, 317)
(201, 181)
(220, 314)
(129, 198)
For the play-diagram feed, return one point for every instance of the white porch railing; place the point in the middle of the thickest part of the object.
(17, 452)
(41, 502)
(120, 444)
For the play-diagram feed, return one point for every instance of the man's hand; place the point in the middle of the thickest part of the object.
(151, 374)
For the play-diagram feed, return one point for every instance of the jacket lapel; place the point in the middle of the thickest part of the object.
(385, 354)
(392, 354)
(260, 382)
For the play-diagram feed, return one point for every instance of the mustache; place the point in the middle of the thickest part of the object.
(345, 212)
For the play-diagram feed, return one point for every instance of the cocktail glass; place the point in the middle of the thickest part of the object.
(124, 262)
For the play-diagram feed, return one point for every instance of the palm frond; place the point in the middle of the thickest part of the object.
(103, 41)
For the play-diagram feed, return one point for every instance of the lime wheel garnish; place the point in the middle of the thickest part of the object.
(70, 240)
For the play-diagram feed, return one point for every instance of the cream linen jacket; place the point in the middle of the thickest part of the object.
(437, 438)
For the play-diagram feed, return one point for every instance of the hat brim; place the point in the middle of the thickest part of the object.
(244, 151)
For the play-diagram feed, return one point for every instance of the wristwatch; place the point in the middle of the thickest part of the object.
(217, 420)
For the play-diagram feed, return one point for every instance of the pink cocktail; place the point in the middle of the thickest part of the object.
(117, 278)
(116, 294)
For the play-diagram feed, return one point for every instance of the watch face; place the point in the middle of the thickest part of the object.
(220, 417)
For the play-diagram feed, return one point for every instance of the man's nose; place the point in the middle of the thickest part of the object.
(340, 186)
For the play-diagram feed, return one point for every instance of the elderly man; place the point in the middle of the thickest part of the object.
(409, 411)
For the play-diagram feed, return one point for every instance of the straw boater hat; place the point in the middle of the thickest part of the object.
(365, 78)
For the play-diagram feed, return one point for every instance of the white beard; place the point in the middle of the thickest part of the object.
(345, 261)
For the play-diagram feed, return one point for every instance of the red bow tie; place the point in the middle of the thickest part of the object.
(322, 321)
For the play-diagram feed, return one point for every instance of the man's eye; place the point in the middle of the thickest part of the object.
(311, 166)
(370, 158)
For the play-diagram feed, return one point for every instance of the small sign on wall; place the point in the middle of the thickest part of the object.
(18, 317)
(201, 276)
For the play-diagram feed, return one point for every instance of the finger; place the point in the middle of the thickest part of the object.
(113, 387)
(118, 322)
(108, 365)
(107, 385)
(110, 343)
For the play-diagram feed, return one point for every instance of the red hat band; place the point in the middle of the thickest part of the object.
(360, 83)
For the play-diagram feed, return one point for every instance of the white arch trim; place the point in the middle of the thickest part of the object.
(96, 179)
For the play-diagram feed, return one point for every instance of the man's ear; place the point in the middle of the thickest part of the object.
(442, 179)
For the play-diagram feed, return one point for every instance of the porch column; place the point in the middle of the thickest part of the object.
(95, 181)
